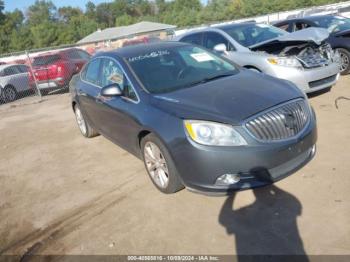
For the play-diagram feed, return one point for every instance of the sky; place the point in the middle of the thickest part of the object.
(22, 5)
(10, 5)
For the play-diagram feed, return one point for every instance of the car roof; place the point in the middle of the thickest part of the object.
(234, 25)
(134, 50)
(58, 52)
(217, 28)
(311, 18)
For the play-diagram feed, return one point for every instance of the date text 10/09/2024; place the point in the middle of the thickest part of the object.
(173, 258)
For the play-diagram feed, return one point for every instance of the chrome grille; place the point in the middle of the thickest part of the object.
(280, 123)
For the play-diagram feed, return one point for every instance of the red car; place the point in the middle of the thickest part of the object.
(54, 70)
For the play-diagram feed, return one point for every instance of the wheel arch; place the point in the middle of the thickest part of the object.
(141, 135)
(252, 67)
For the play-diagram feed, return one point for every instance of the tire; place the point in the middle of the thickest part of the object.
(345, 61)
(84, 127)
(165, 167)
(9, 94)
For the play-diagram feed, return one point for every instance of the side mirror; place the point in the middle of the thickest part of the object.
(111, 90)
(220, 48)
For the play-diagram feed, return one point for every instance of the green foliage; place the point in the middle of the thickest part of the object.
(124, 19)
(43, 25)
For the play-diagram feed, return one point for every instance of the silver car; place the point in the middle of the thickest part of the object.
(303, 57)
(14, 80)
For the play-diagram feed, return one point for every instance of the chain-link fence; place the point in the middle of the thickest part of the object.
(27, 74)
(40, 73)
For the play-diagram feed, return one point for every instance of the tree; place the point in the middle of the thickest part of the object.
(90, 10)
(68, 13)
(124, 20)
(44, 25)
(41, 11)
(12, 22)
(2, 7)
(105, 15)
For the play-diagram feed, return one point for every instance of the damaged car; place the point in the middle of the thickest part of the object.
(302, 57)
(339, 33)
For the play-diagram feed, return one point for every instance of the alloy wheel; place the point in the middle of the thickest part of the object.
(344, 59)
(80, 121)
(10, 94)
(156, 165)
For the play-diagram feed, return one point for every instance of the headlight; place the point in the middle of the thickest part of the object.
(284, 61)
(213, 134)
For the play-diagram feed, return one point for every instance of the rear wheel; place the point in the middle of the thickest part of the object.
(85, 129)
(344, 61)
(159, 165)
(9, 94)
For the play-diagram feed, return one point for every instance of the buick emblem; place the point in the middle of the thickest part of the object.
(290, 120)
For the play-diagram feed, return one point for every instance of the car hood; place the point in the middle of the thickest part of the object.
(345, 33)
(229, 100)
(312, 34)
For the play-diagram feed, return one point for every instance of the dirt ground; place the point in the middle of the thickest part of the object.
(64, 194)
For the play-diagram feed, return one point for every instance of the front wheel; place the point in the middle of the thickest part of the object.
(344, 61)
(159, 165)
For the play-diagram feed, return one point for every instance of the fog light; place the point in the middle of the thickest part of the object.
(227, 179)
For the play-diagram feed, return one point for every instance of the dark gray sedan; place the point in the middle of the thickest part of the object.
(196, 120)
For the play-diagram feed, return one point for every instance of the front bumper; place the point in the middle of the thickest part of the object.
(308, 80)
(257, 165)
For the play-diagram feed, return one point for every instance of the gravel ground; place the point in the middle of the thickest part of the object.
(64, 194)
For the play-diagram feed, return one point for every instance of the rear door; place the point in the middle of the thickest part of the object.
(24, 77)
(16, 78)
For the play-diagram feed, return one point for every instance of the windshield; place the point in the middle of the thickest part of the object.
(333, 23)
(174, 68)
(252, 34)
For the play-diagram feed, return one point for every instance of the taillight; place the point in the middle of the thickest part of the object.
(59, 69)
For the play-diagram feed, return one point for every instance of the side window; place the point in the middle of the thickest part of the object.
(112, 73)
(23, 68)
(73, 54)
(92, 71)
(301, 26)
(213, 39)
(193, 39)
(129, 91)
(84, 55)
(12, 70)
(284, 26)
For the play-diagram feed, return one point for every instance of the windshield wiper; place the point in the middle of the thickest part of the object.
(208, 79)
